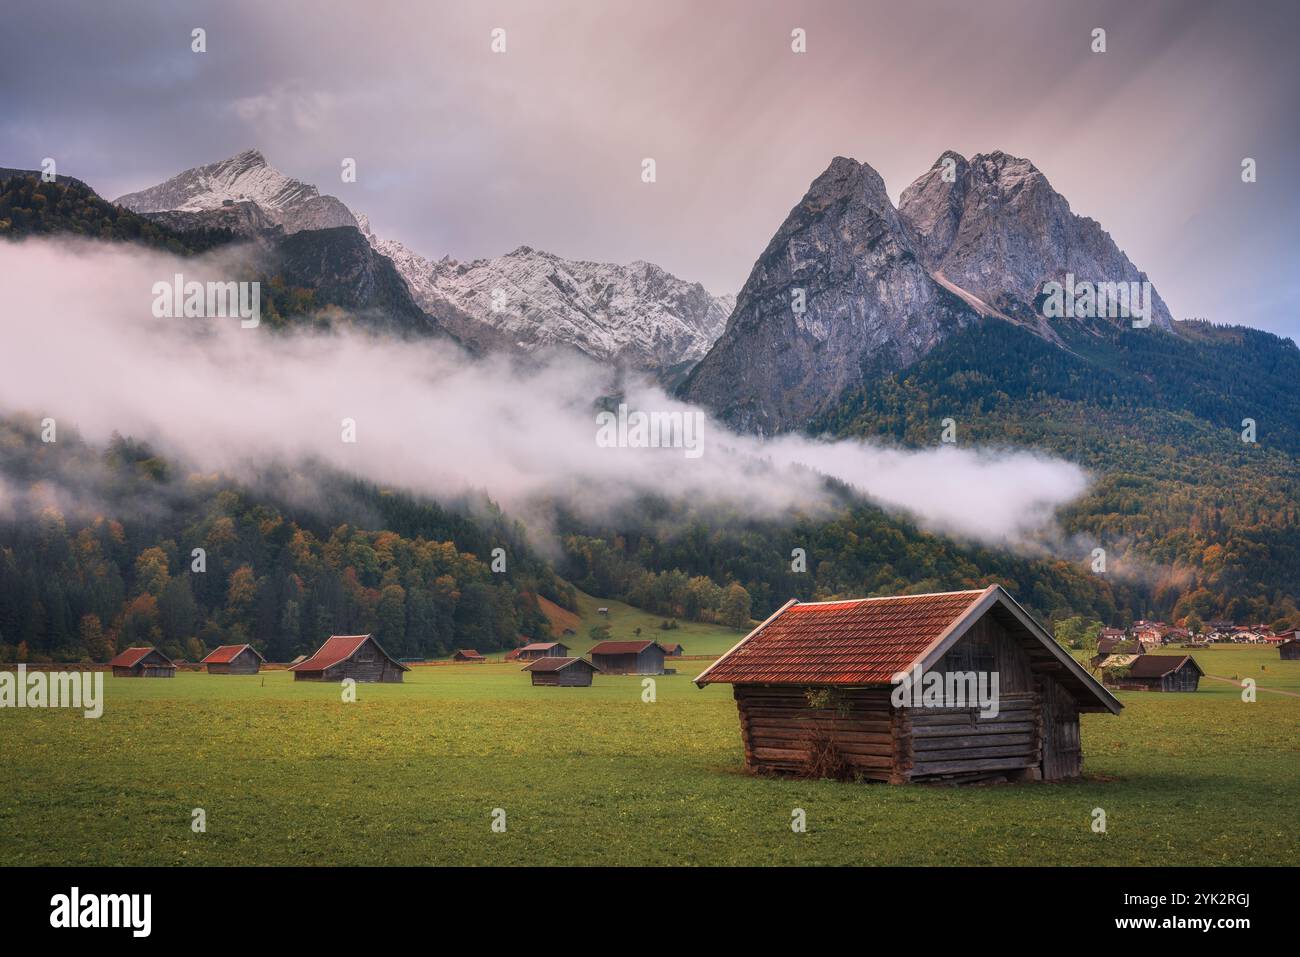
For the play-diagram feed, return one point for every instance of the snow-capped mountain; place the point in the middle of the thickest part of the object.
(635, 314)
(245, 178)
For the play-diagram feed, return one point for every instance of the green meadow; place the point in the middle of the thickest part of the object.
(287, 773)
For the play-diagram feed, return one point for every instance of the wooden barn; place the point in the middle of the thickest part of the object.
(628, 657)
(673, 650)
(142, 663)
(813, 686)
(468, 654)
(542, 649)
(234, 660)
(1156, 673)
(358, 657)
(561, 672)
(1289, 648)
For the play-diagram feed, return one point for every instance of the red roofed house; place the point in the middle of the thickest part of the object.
(358, 657)
(561, 672)
(233, 660)
(628, 657)
(142, 663)
(467, 654)
(541, 649)
(815, 689)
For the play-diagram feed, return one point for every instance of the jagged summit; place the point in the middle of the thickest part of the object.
(841, 285)
(243, 178)
(995, 227)
(880, 286)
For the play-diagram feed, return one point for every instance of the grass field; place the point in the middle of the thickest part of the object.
(410, 774)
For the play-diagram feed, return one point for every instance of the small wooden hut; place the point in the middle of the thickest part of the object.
(143, 663)
(628, 657)
(542, 649)
(815, 688)
(1156, 673)
(233, 660)
(561, 672)
(1289, 648)
(358, 657)
(673, 650)
(468, 654)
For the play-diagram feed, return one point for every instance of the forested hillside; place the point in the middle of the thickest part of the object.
(1209, 522)
(97, 554)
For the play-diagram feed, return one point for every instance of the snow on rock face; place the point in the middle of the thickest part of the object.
(246, 177)
(635, 314)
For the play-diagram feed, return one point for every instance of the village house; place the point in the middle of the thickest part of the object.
(628, 657)
(816, 687)
(142, 663)
(541, 649)
(561, 672)
(468, 654)
(1155, 673)
(233, 660)
(358, 657)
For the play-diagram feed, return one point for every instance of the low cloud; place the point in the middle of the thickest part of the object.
(83, 347)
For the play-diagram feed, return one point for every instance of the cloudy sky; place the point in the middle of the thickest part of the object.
(465, 152)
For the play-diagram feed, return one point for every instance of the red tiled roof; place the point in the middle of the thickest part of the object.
(867, 641)
(337, 649)
(226, 654)
(621, 647)
(132, 656)
(555, 664)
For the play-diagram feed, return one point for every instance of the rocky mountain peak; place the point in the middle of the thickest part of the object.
(243, 178)
(840, 288)
(996, 228)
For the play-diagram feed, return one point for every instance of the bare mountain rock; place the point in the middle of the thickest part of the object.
(841, 289)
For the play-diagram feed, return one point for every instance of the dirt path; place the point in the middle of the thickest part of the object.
(1289, 694)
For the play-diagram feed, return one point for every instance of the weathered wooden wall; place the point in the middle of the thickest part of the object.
(783, 732)
(956, 743)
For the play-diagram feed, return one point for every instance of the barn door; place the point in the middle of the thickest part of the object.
(1061, 752)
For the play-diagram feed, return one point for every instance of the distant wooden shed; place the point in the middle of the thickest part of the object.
(1289, 649)
(468, 654)
(542, 649)
(561, 672)
(628, 657)
(233, 660)
(673, 650)
(1156, 673)
(358, 657)
(145, 662)
(814, 689)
